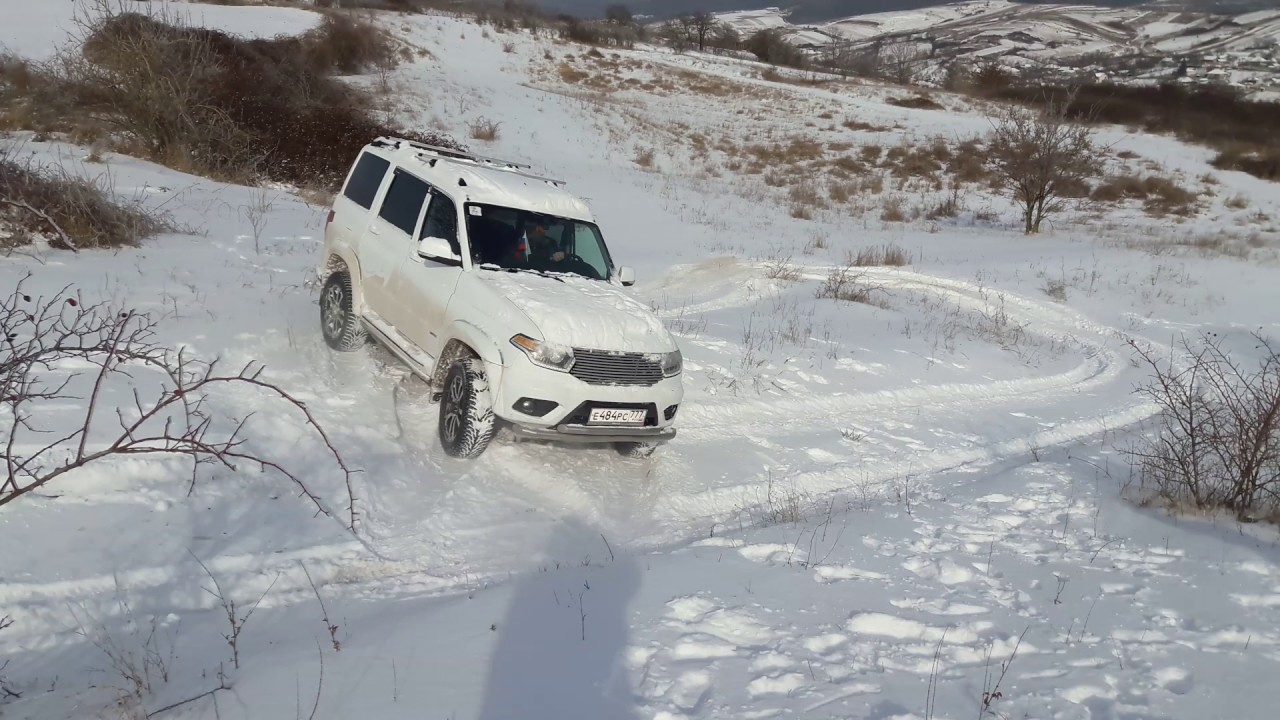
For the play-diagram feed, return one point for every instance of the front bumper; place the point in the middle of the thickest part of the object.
(574, 398)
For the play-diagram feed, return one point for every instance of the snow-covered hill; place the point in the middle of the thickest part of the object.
(870, 510)
(1055, 37)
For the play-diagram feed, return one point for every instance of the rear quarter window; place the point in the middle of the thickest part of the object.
(365, 180)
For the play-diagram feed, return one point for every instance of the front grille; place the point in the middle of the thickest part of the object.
(605, 368)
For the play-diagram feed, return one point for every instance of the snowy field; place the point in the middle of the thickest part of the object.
(870, 508)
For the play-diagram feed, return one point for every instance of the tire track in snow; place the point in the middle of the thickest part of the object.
(707, 419)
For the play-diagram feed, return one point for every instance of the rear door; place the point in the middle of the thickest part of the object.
(388, 240)
(353, 207)
(425, 284)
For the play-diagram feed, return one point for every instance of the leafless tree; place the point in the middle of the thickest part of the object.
(1042, 156)
(1218, 443)
(702, 24)
(39, 337)
(900, 61)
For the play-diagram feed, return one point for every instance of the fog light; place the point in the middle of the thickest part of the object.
(670, 412)
(534, 407)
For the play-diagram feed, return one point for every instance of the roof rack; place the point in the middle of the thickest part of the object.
(453, 154)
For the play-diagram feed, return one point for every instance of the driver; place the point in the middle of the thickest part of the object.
(534, 246)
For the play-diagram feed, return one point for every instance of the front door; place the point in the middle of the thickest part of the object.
(425, 285)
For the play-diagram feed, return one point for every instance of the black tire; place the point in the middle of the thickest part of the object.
(466, 412)
(341, 328)
(635, 449)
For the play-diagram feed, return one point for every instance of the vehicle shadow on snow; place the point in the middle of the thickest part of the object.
(560, 652)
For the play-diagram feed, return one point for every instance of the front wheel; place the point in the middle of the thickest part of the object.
(635, 449)
(466, 412)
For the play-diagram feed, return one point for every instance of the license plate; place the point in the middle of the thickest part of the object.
(616, 416)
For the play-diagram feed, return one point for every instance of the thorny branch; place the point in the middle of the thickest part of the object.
(44, 346)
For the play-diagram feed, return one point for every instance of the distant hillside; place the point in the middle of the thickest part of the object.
(815, 11)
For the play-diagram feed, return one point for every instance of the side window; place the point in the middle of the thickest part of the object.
(586, 245)
(365, 180)
(442, 220)
(403, 201)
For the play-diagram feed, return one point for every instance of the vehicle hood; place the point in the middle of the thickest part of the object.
(582, 313)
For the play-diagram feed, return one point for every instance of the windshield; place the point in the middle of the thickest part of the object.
(523, 240)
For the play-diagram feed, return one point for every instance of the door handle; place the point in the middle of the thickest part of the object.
(373, 230)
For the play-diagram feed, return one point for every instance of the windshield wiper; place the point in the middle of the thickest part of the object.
(531, 271)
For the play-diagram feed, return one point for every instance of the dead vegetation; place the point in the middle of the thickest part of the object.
(1160, 195)
(880, 255)
(202, 101)
(916, 102)
(484, 129)
(1241, 131)
(69, 212)
(180, 417)
(850, 285)
(1217, 445)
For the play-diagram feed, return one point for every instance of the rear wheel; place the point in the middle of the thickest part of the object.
(466, 412)
(339, 324)
(635, 449)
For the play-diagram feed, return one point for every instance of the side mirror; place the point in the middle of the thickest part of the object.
(439, 250)
(627, 275)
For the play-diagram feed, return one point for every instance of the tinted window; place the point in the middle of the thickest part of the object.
(441, 221)
(403, 201)
(362, 188)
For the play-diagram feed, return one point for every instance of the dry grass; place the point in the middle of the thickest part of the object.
(805, 199)
(879, 256)
(893, 209)
(1237, 202)
(644, 157)
(916, 102)
(484, 129)
(1160, 195)
(860, 125)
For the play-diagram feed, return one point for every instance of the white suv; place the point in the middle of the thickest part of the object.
(516, 315)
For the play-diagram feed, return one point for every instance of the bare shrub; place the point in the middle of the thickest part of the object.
(780, 267)
(1218, 440)
(948, 206)
(1238, 201)
(644, 157)
(804, 199)
(1037, 155)
(203, 101)
(74, 213)
(1056, 289)
(916, 102)
(484, 129)
(508, 47)
(849, 285)
(180, 418)
(893, 209)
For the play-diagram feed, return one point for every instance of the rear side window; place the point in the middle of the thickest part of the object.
(365, 180)
(403, 202)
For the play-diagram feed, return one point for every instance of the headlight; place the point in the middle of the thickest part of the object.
(545, 354)
(671, 363)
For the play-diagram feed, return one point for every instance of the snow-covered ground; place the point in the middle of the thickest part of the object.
(868, 505)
